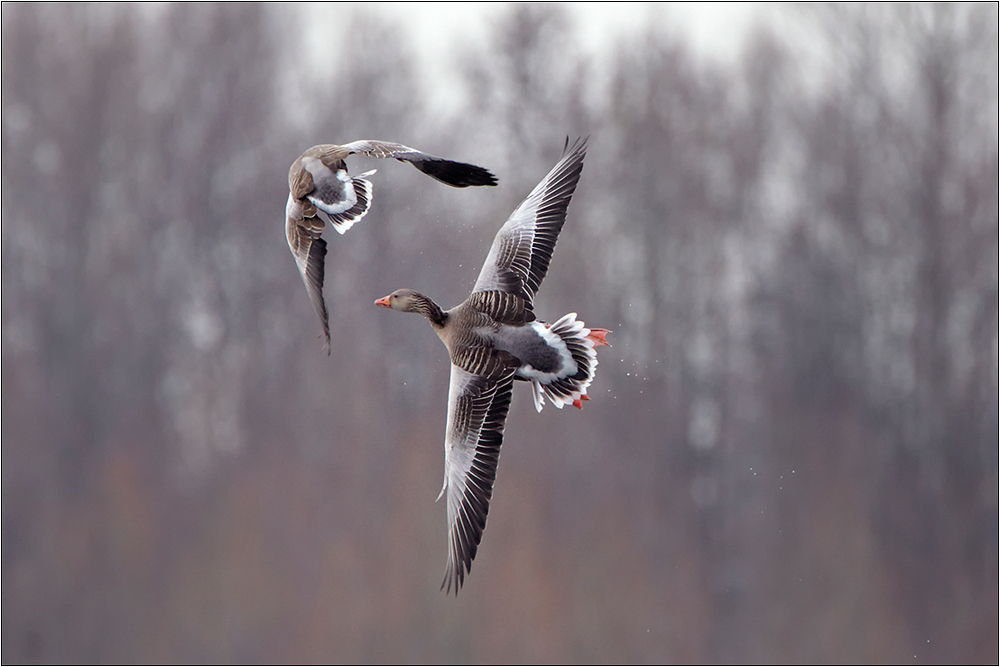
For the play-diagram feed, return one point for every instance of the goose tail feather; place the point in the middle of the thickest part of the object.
(581, 343)
(363, 191)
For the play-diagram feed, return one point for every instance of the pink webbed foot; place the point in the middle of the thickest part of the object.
(598, 336)
(578, 403)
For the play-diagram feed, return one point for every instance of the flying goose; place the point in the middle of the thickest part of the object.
(318, 183)
(493, 339)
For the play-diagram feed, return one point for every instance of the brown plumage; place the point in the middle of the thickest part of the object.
(320, 191)
(493, 339)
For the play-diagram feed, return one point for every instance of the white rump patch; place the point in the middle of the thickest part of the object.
(558, 387)
(568, 366)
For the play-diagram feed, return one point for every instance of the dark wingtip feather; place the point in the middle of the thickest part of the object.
(314, 283)
(580, 145)
(452, 576)
(456, 174)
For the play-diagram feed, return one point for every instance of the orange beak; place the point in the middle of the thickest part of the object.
(384, 301)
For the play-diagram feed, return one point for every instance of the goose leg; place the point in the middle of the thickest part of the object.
(598, 336)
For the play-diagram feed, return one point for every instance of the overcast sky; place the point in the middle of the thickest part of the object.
(714, 29)
(442, 31)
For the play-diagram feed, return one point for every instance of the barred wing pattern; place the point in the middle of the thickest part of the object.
(477, 410)
(519, 257)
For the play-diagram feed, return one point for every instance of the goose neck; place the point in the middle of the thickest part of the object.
(426, 307)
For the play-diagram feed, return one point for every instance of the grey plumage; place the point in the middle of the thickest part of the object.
(493, 338)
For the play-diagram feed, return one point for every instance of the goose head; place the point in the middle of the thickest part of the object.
(409, 301)
(404, 300)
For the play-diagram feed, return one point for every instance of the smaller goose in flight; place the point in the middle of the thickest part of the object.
(318, 184)
(493, 339)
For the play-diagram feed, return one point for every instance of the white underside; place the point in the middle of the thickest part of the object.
(349, 194)
(568, 366)
(324, 175)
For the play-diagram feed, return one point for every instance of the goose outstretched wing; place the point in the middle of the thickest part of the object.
(519, 257)
(455, 174)
(477, 410)
(309, 250)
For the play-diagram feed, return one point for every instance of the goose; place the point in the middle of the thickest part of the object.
(494, 339)
(318, 183)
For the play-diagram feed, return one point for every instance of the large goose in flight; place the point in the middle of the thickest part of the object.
(319, 188)
(493, 339)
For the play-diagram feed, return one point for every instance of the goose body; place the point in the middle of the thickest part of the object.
(493, 338)
(320, 191)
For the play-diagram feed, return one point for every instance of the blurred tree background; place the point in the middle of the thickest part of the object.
(791, 455)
